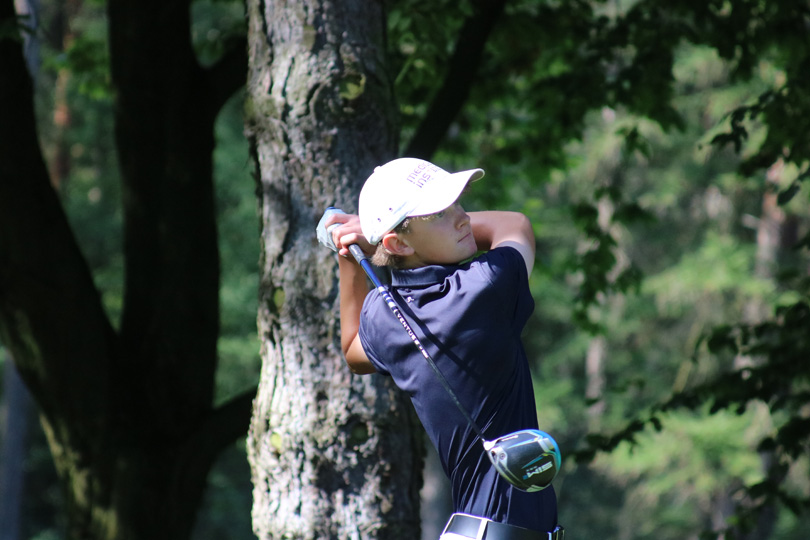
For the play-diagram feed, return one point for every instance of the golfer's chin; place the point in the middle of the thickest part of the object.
(467, 244)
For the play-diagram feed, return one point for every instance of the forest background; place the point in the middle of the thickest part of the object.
(672, 249)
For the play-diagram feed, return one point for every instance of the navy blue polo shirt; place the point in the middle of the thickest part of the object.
(469, 318)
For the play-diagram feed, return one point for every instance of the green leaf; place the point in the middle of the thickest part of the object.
(787, 195)
(722, 338)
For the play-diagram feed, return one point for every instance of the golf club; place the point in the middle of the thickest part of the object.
(528, 459)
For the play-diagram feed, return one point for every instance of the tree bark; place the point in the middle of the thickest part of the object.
(333, 456)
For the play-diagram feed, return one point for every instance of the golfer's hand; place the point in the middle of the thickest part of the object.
(348, 233)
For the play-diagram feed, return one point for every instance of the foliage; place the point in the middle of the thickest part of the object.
(777, 377)
(216, 27)
(676, 84)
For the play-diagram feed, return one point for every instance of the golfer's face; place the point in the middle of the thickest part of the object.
(443, 238)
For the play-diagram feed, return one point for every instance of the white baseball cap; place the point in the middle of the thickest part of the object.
(407, 187)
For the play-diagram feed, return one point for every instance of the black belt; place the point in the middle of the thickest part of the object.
(485, 529)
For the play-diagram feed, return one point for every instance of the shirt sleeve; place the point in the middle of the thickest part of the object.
(505, 268)
(371, 330)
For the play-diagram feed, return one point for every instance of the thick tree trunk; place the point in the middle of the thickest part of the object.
(15, 415)
(333, 456)
(15, 401)
(49, 307)
(128, 416)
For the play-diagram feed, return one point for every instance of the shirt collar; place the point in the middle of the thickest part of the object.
(421, 277)
(425, 275)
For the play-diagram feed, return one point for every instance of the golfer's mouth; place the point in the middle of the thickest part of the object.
(463, 238)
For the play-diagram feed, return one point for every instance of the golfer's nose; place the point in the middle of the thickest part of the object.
(460, 216)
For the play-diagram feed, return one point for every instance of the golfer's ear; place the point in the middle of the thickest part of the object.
(396, 245)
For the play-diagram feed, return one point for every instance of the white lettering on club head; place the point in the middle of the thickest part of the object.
(537, 470)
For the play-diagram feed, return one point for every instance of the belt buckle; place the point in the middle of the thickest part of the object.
(482, 529)
(478, 524)
(476, 527)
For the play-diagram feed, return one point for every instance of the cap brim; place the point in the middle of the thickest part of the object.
(443, 194)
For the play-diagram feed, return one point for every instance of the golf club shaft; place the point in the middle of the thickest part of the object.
(363, 261)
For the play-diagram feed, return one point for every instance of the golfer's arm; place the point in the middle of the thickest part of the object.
(353, 291)
(493, 229)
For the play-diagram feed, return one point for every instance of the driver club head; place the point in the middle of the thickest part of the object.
(528, 459)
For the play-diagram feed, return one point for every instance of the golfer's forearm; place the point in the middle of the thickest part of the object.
(353, 291)
(493, 227)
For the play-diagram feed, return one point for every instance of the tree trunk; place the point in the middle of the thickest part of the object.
(333, 455)
(15, 408)
(128, 415)
(770, 228)
(595, 382)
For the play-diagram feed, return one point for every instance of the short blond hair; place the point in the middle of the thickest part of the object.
(383, 257)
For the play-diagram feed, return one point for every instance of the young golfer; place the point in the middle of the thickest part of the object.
(468, 311)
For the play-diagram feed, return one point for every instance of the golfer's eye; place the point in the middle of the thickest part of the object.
(431, 217)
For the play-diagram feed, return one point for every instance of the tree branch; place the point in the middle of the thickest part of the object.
(457, 81)
(229, 421)
(228, 74)
(222, 427)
